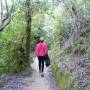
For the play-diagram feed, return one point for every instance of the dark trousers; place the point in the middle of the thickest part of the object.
(41, 63)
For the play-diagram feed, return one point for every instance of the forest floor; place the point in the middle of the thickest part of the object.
(30, 80)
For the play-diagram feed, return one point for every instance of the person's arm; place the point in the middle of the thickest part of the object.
(46, 49)
(36, 50)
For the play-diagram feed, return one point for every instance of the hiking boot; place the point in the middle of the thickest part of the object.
(42, 74)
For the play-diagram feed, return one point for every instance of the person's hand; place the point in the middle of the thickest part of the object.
(35, 55)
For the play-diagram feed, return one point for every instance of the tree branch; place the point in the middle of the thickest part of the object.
(6, 5)
(6, 19)
(4, 25)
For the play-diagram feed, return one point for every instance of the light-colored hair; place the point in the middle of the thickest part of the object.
(41, 39)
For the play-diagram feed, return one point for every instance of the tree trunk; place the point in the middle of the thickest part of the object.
(1, 12)
(28, 30)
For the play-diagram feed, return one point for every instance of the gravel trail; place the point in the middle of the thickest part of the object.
(32, 80)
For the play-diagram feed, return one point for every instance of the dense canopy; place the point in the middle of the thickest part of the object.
(65, 25)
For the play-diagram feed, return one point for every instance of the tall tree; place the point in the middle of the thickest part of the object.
(28, 29)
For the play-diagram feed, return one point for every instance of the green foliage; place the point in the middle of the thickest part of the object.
(63, 79)
(57, 26)
(65, 28)
(79, 48)
(35, 37)
(41, 5)
(60, 29)
(68, 50)
(88, 61)
(11, 43)
(44, 5)
(60, 26)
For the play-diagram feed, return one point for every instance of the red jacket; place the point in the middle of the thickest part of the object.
(41, 49)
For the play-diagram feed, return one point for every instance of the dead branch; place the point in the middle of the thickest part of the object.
(6, 19)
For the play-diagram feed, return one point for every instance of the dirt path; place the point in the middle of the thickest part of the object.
(32, 80)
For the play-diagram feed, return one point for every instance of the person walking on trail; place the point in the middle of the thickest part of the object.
(40, 51)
